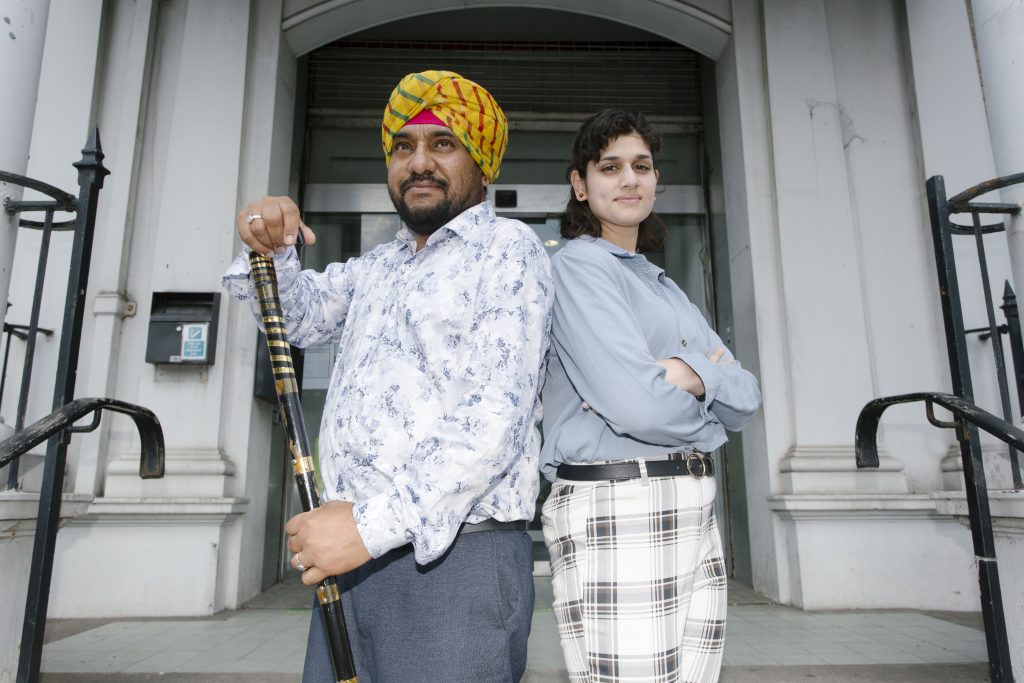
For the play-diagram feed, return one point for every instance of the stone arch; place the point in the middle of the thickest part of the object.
(702, 25)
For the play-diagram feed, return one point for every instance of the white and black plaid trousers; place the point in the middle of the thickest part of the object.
(638, 578)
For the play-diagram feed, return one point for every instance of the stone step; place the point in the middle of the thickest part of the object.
(818, 647)
(881, 673)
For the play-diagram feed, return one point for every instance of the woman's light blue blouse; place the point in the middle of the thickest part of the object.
(615, 315)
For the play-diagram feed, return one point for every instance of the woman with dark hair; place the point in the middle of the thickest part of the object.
(639, 390)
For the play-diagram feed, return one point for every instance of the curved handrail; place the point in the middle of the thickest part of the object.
(962, 203)
(62, 201)
(67, 201)
(151, 465)
(870, 414)
(1000, 665)
(959, 203)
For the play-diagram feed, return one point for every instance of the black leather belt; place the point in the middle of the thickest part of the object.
(494, 525)
(696, 465)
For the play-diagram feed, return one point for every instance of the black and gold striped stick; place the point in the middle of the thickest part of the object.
(265, 280)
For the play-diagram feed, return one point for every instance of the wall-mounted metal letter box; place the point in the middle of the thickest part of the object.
(183, 328)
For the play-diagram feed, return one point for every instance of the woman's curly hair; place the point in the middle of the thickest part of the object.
(596, 133)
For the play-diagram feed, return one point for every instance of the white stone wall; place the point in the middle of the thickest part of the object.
(756, 283)
(21, 54)
(894, 243)
(849, 260)
(60, 129)
(176, 90)
(954, 143)
(999, 25)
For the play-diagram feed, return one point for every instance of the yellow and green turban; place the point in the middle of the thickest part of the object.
(462, 105)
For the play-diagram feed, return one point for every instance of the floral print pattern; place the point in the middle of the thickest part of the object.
(432, 412)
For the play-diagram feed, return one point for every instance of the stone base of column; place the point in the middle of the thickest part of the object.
(154, 557)
(188, 474)
(30, 472)
(833, 469)
(996, 457)
(874, 552)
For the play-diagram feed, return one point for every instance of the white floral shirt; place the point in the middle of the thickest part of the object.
(432, 412)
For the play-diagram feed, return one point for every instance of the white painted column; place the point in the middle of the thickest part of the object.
(844, 167)
(22, 34)
(898, 269)
(265, 167)
(123, 94)
(63, 118)
(999, 27)
(189, 217)
(828, 346)
(756, 284)
(955, 143)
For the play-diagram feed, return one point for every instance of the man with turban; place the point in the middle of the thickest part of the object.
(429, 442)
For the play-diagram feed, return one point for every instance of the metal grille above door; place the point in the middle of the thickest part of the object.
(658, 78)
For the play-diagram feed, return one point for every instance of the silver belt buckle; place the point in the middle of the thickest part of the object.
(691, 469)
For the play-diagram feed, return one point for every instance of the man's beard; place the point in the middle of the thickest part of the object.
(426, 220)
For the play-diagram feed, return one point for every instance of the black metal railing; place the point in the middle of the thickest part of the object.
(11, 332)
(57, 427)
(968, 417)
(151, 465)
(63, 202)
(944, 229)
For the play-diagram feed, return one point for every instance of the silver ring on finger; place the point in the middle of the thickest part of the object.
(253, 217)
(298, 563)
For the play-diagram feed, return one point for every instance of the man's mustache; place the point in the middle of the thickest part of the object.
(422, 177)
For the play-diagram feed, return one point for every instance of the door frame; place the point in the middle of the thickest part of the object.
(533, 199)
